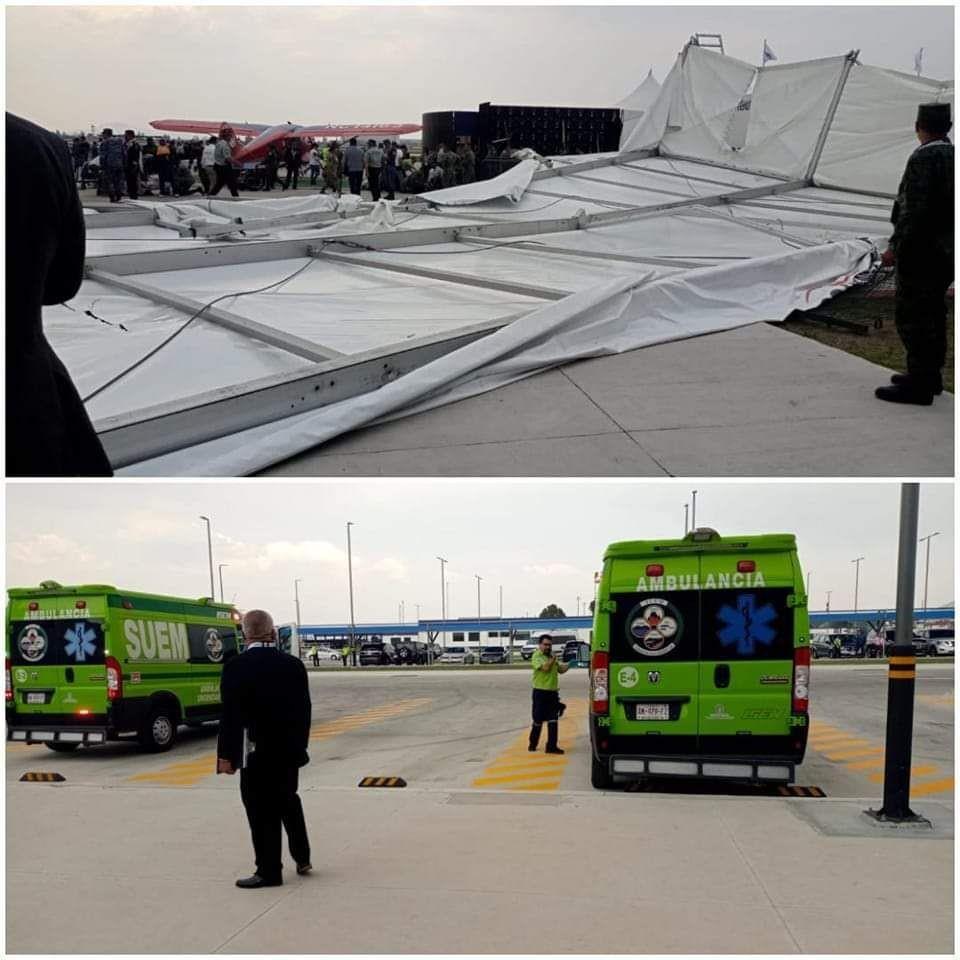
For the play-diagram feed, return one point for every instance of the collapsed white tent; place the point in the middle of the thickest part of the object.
(634, 106)
(321, 327)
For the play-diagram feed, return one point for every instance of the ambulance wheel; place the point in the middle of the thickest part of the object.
(600, 774)
(62, 747)
(160, 730)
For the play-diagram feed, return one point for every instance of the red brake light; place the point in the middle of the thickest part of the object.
(9, 693)
(654, 569)
(746, 566)
(600, 682)
(114, 679)
(81, 605)
(33, 605)
(127, 605)
(801, 679)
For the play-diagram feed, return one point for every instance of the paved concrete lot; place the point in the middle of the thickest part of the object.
(758, 401)
(462, 859)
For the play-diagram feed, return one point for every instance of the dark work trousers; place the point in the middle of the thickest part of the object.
(270, 798)
(115, 183)
(546, 710)
(133, 182)
(373, 181)
(293, 174)
(271, 177)
(923, 277)
(356, 181)
(224, 176)
(205, 178)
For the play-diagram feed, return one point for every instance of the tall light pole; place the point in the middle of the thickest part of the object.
(479, 644)
(501, 601)
(926, 573)
(220, 567)
(856, 583)
(353, 638)
(443, 599)
(686, 519)
(296, 600)
(828, 600)
(693, 512)
(206, 520)
(401, 611)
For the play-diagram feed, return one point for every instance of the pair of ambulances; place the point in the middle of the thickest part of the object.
(700, 662)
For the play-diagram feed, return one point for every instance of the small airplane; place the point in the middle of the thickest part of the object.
(265, 136)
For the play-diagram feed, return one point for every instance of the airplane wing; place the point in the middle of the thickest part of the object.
(347, 130)
(209, 126)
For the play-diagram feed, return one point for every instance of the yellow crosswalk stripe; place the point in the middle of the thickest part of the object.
(855, 753)
(865, 764)
(931, 786)
(514, 777)
(188, 773)
(919, 771)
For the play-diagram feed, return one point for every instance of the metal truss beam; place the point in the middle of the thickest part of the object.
(151, 432)
(582, 199)
(819, 211)
(848, 63)
(449, 276)
(224, 318)
(633, 186)
(571, 169)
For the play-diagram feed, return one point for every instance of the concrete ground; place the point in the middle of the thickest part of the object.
(489, 849)
(758, 401)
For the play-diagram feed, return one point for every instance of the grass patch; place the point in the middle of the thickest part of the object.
(878, 344)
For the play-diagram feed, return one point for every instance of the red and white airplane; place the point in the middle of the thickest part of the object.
(265, 136)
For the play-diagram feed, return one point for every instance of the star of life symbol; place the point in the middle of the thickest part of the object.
(80, 642)
(746, 625)
(32, 643)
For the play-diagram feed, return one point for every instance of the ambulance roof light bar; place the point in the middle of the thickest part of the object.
(702, 535)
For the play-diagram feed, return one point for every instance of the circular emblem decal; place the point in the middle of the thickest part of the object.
(32, 643)
(654, 627)
(214, 645)
(20, 675)
(628, 677)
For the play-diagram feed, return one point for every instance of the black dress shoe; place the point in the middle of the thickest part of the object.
(905, 378)
(304, 868)
(554, 750)
(532, 748)
(905, 393)
(256, 881)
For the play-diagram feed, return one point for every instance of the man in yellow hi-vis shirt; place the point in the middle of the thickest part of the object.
(547, 708)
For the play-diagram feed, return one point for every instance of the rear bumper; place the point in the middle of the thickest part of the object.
(742, 769)
(51, 733)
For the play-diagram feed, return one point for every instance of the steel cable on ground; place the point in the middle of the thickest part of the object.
(176, 333)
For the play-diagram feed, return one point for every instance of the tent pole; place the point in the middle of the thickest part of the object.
(848, 63)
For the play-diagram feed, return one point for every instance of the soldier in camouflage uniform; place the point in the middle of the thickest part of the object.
(922, 250)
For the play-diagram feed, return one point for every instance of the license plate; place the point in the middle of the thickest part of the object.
(36, 698)
(651, 711)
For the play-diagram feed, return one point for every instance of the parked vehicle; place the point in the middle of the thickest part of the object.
(493, 655)
(821, 647)
(529, 647)
(576, 653)
(457, 655)
(377, 653)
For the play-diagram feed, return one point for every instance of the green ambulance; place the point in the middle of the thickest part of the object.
(92, 663)
(700, 660)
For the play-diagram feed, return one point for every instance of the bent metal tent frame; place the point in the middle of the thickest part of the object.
(353, 312)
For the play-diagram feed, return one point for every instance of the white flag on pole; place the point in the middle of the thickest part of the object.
(918, 61)
(768, 54)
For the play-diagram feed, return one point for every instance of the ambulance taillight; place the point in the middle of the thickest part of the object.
(746, 566)
(9, 694)
(801, 679)
(654, 569)
(600, 682)
(114, 679)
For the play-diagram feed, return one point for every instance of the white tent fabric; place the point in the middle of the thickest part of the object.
(510, 184)
(635, 105)
(620, 315)
(206, 212)
(872, 136)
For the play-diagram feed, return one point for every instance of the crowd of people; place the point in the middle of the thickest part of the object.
(132, 166)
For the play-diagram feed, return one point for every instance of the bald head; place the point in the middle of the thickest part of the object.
(258, 627)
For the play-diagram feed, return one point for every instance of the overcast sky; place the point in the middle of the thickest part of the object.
(542, 541)
(70, 67)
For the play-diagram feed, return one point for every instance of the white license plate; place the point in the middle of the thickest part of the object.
(36, 698)
(652, 711)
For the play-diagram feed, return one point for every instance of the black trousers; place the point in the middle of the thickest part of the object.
(224, 176)
(270, 798)
(293, 174)
(546, 710)
(923, 277)
(115, 182)
(133, 182)
(373, 181)
(356, 181)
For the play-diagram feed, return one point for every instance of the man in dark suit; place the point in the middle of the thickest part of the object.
(48, 431)
(264, 734)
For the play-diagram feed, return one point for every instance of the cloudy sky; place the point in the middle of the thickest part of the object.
(72, 67)
(542, 541)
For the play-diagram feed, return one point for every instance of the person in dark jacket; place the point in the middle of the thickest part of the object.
(292, 155)
(132, 162)
(264, 733)
(48, 431)
(112, 162)
(921, 248)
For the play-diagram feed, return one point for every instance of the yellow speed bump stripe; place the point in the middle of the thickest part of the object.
(42, 778)
(188, 773)
(382, 782)
(516, 768)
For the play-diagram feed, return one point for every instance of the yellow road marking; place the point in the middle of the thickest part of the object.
(938, 699)
(516, 768)
(932, 786)
(919, 771)
(865, 764)
(854, 754)
(188, 773)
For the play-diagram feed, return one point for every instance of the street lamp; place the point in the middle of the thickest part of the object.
(926, 574)
(443, 600)
(856, 583)
(296, 600)
(206, 520)
(693, 518)
(828, 600)
(479, 645)
(501, 601)
(686, 519)
(220, 567)
(353, 639)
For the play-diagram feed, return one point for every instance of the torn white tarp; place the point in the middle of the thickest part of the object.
(510, 184)
(635, 105)
(624, 314)
(207, 212)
